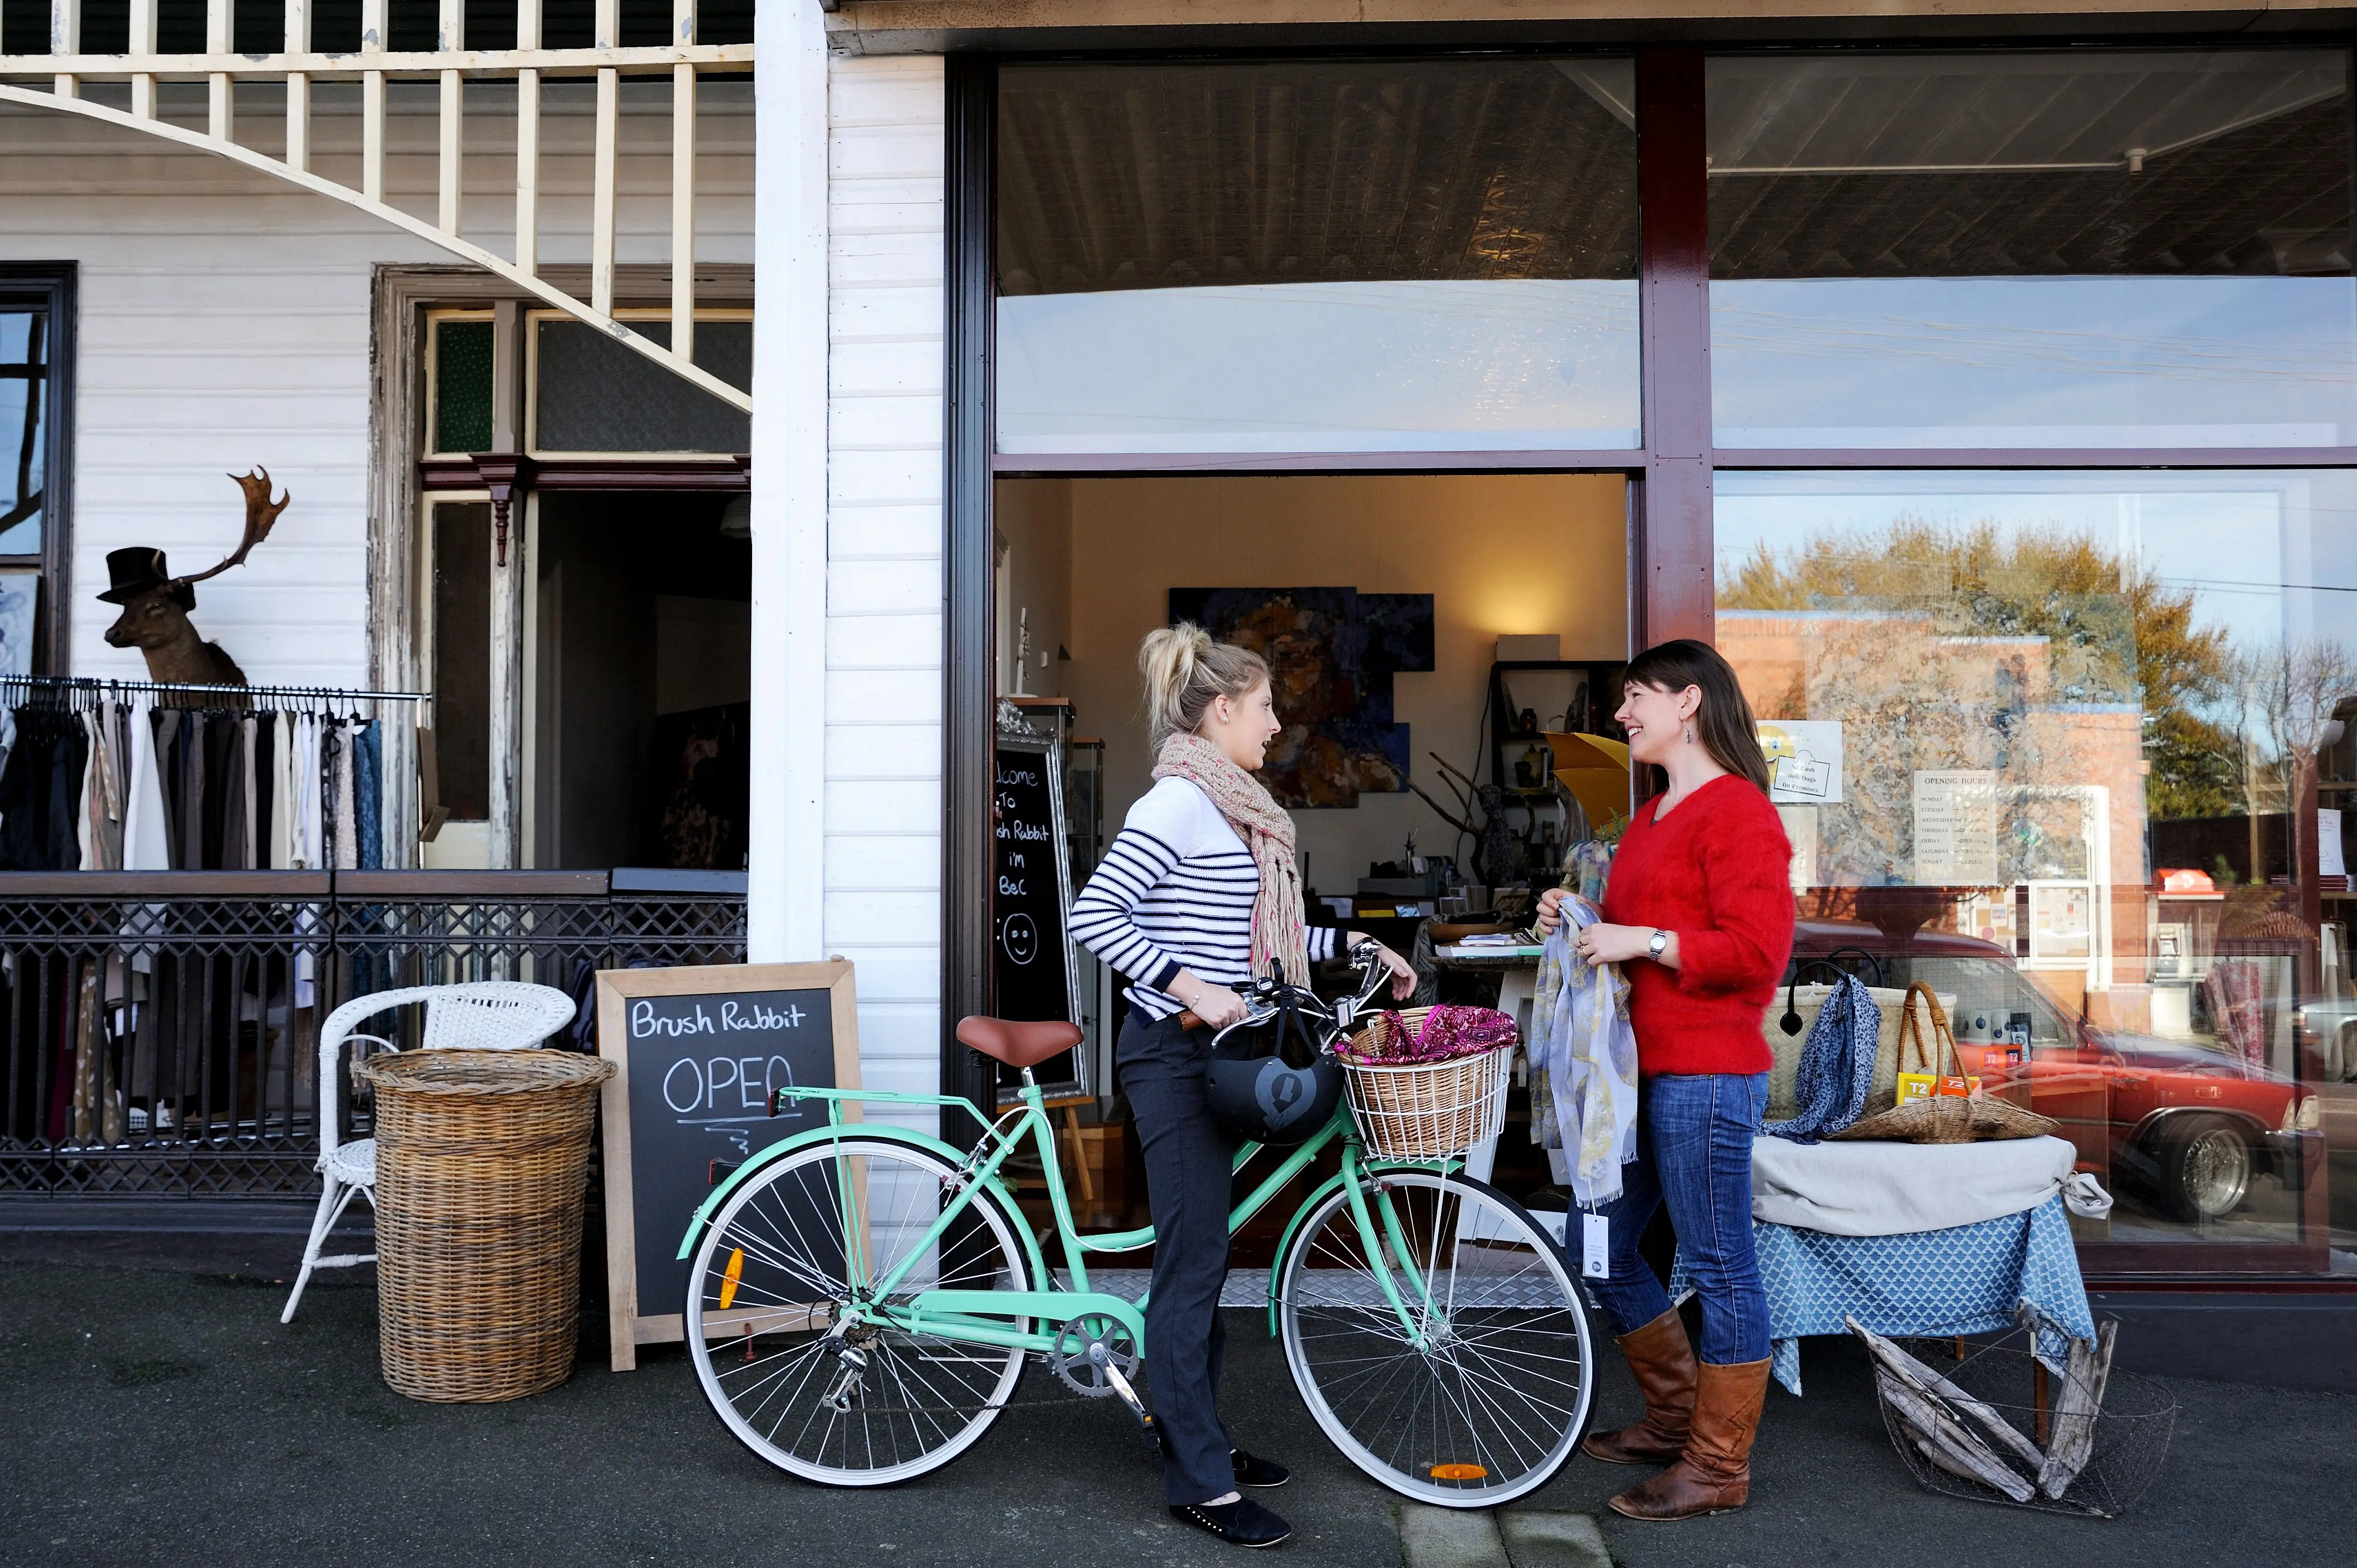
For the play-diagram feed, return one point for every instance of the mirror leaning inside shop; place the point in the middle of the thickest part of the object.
(2071, 745)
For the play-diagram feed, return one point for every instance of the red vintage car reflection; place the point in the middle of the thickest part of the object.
(2178, 1127)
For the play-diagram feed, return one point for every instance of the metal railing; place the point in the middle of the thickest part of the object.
(161, 1030)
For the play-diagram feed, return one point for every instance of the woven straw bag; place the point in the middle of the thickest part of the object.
(1943, 1118)
(1807, 1002)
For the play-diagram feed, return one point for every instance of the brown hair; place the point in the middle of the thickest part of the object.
(1724, 721)
(1185, 671)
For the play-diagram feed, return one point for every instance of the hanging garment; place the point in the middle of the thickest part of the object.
(86, 798)
(266, 784)
(102, 800)
(169, 781)
(1836, 1071)
(226, 845)
(310, 778)
(347, 798)
(40, 791)
(1583, 1062)
(2235, 991)
(147, 840)
(285, 809)
(217, 753)
(368, 807)
(248, 841)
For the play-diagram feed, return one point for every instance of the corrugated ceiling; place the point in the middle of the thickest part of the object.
(1168, 175)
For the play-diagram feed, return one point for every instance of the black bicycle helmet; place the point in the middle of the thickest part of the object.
(1269, 1080)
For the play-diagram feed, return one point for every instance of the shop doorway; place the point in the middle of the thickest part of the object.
(638, 681)
(1387, 604)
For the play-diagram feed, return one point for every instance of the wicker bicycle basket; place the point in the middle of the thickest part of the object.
(1424, 1111)
(481, 1160)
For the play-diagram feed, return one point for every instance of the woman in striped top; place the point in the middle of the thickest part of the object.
(1198, 895)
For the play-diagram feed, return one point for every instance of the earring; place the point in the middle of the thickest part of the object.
(1689, 735)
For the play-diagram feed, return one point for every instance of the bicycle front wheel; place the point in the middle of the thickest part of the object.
(778, 1298)
(1469, 1382)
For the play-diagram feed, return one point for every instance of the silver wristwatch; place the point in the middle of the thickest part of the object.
(1658, 946)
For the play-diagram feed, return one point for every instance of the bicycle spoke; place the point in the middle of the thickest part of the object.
(837, 1391)
(1472, 1387)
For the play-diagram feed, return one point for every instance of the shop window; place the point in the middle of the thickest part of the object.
(459, 381)
(460, 637)
(591, 394)
(35, 360)
(1369, 255)
(2082, 250)
(2072, 748)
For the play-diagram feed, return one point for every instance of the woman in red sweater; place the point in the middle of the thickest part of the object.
(1699, 913)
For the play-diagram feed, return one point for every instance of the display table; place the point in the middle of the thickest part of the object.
(1961, 1279)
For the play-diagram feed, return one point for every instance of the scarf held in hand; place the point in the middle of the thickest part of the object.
(1278, 932)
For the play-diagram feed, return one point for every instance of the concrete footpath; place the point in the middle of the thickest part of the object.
(157, 1412)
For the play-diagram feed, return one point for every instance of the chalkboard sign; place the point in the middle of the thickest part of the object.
(1033, 973)
(699, 1051)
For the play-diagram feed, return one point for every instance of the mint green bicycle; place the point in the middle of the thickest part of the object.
(863, 1299)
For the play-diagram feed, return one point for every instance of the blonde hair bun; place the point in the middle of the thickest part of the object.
(1185, 671)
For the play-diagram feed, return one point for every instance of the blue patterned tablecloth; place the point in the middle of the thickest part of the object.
(1968, 1279)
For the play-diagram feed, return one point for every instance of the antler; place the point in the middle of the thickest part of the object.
(261, 511)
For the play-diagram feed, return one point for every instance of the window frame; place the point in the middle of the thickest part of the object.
(52, 285)
(533, 320)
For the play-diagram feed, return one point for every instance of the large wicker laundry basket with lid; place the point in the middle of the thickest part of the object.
(482, 1161)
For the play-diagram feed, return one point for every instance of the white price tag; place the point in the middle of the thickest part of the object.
(1595, 1246)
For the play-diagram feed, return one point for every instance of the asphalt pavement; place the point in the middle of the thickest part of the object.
(156, 1412)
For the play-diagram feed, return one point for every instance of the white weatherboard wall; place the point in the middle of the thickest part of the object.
(224, 321)
(883, 641)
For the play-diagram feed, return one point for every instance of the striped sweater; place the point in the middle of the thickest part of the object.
(1175, 891)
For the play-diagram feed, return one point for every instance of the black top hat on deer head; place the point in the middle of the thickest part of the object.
(135, 570)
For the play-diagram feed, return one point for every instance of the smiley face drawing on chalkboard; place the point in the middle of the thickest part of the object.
(1020, 937)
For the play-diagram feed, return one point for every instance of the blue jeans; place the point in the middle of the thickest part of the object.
(1694, 1153)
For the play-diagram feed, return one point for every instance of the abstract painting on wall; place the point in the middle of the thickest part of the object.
(1331, 655)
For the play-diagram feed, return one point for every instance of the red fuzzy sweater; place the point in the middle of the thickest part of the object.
(1717, 871)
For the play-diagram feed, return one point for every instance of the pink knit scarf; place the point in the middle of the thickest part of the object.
(1279, 934)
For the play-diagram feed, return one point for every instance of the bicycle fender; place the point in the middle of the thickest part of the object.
(1331, 1184)
(954, 1158)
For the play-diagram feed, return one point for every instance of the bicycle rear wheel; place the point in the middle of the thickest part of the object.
(774, 1277)
(1496, 1397)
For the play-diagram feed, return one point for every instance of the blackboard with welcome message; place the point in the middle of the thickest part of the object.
(1033, 973)
(699, 1053)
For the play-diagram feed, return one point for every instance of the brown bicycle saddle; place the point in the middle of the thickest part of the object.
(1019, 1045)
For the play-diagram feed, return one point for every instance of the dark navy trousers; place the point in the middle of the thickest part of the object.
(1189, 1167)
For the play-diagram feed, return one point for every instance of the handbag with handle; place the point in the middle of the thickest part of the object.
(1943, 1118)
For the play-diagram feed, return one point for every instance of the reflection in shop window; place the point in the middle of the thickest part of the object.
(1317, 255)
(2075, 742)
(2082, 249)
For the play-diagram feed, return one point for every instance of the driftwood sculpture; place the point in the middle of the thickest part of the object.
(1941, 1418)
(156, 605)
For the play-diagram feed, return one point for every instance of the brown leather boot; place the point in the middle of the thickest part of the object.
(1664, 1360)
(1713, 1474)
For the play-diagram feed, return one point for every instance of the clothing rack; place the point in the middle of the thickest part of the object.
(80, 690)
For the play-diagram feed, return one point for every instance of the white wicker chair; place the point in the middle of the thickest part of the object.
(480, 1015)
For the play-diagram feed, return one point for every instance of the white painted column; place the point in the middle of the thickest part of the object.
(787, 836)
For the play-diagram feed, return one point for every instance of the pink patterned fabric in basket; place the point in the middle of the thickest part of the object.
(1448, 1033)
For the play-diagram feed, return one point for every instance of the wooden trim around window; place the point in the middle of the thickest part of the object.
(2049, 458)
(729, 473)
(53, 649)
(969, 665)
(1673, 565)
(1114, 464)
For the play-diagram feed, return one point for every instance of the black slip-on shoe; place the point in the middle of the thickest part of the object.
(1240, 1523)
(1256, 1472)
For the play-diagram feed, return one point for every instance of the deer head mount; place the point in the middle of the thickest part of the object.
(156, 605)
